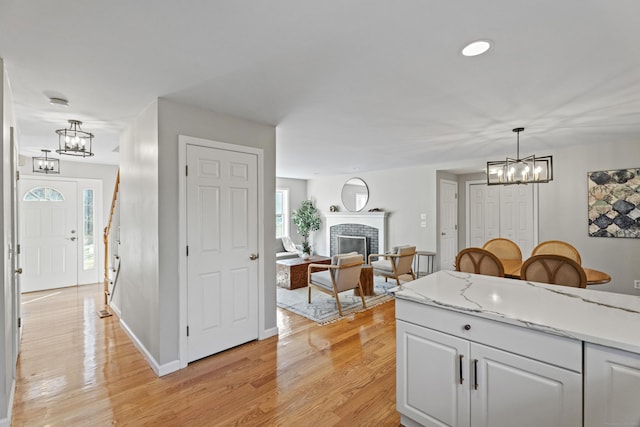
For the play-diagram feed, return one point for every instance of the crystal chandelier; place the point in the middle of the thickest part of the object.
(529, 170)
(73, 141)
(46, 164)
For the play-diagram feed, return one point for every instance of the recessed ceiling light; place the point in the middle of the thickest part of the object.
(476, 48)
(59, 101)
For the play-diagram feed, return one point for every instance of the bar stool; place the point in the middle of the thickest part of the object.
(430, 259)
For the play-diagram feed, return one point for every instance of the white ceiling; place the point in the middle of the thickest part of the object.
(350, 84)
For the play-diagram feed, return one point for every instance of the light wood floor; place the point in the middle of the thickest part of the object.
(76, 369)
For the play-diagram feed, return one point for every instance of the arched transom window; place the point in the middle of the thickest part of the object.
(43, 194)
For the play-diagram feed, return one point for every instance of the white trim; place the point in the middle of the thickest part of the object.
(97, 185)
(286, 213)
(183, 141)
(268, 333)
(372, 219)
(467, 213)
(160, 370)
(6, 422)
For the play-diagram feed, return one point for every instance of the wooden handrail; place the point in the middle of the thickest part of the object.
(105, 238)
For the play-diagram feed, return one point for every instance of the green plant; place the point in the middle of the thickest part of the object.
(307, 220)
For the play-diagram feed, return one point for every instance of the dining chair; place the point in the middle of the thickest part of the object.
(479, 261)
(503, 248)
(395, 264)
(557, 247)
(341, 275)
(554, 269)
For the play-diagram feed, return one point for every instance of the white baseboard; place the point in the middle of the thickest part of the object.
(268, 333)
(6, 422)
(160, 370)
(116, 310)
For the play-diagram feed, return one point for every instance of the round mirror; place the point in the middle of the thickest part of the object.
(355, 195)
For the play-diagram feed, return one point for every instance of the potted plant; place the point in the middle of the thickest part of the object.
(306, 219)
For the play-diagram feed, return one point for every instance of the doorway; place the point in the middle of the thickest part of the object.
(220, 283)
(448, 217)
(59, 232)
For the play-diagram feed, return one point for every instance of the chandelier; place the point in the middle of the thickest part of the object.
(73, 141)
(530, 170)
(46, 164)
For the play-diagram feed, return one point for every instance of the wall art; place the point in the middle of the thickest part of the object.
(614, 203)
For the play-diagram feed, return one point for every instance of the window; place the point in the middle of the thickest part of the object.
(282, 212)
(43, 194)
(88, 244)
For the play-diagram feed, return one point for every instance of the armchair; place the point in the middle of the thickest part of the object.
(395, 264)
(341, 275)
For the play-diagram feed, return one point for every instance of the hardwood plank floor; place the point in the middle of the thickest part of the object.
(76, 369)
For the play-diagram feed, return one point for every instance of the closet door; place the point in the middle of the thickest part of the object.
(516, 216)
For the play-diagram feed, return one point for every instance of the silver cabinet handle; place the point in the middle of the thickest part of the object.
(254, 257)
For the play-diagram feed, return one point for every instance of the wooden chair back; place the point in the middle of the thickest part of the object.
(554, 269)
(503, 248)
(479, 261)
(557, 247)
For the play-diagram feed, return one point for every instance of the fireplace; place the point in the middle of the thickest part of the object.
(348, 244)
(370, 225)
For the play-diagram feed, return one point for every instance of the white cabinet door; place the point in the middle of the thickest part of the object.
(515, 390)
(611, 388)
(432, 377)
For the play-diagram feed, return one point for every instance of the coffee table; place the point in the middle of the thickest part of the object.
(292, 273)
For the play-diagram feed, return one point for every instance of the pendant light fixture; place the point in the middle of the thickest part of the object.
(46, 164)
(529, 170)
(73, 141)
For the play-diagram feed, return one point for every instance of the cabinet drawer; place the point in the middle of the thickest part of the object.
(553, 349)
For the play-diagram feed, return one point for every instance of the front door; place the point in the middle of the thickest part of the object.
(48, 234)
(448, 224)
(222, 236)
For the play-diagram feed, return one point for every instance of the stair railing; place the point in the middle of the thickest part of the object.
(110, 241)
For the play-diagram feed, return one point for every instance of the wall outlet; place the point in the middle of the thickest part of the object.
(636, 284)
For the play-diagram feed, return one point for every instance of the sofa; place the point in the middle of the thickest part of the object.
(283, 253)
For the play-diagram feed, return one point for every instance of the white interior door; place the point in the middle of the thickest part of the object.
(48, 233)
(448, 224)
(222, 235)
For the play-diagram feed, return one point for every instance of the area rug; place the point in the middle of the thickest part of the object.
(323, 308)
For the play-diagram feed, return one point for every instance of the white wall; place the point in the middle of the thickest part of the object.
(149, 275)
(139, 268)
(563, 211)
(297, 194)
(404, 193)
(10, 312)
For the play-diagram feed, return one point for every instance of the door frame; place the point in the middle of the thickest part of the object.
(457, 229)
(183, 142)
(98, 214)
(467, 210)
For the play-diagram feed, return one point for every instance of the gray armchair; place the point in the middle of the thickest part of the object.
(342, 275)
(394, 264)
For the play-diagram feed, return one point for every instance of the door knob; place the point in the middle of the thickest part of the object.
(443, 233)
(254, 257)
(72, 238)
(19, 270)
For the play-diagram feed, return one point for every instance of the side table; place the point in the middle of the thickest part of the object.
(430, 260)
(366, 281)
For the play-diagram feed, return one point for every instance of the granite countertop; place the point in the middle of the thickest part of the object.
(599, 317)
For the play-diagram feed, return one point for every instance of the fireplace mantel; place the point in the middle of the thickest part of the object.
(372, 219)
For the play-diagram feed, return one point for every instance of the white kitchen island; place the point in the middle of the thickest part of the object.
(477, 350)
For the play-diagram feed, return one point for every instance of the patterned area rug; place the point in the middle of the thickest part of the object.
(323, 308)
